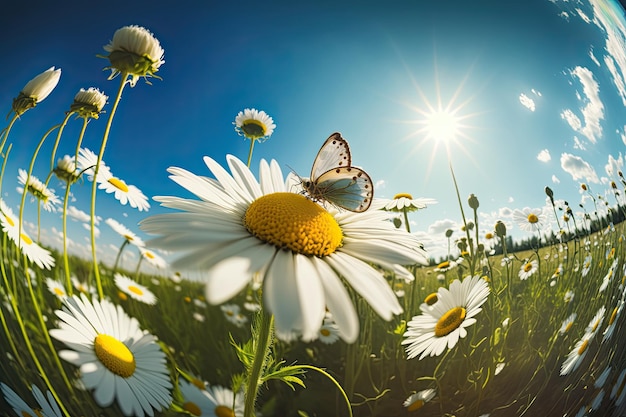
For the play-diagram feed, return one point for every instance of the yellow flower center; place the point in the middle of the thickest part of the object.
(128, 237)
(292, 221)
(114, 355)
(122, 296)
(431, 298)
(148, 255)
(403, 195)
(583, 347)
(416, 405)
(450, 321)
(595, 326)
(196, 382)
(192, 408)
(532, 218)
(27, 414)
(119, 184)
(254, 128)
(135, 290)
(223, 411)
(59, 292)
(26, 239)
(613, 315)
(489, 236)
(325, 332)
(569, 326)
(10, 221)
(444, 264)
(528, 266)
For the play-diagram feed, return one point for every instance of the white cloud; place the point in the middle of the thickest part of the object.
(505, 212)
(592, 112)
(571, 119)
(578, 168)
(614, 165)
(78, 214)
(527, 102)
(535, 92)
(555, 179)
(593, 57)
(544, 156)
(380, 184)
(583, 16)
(510, 199)
(440, 226)
(617, 78)
(578, 144)
(88, 227)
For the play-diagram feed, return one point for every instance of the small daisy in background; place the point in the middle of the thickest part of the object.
(528, 269)
(569, 296)
(610, 328)
(125, 232)
(152, 258)
(196, 400)
(594, 323)
(417, 400)
(36, 90)
(115, 357)
(123, 192)
(48, 406)
(529, 220)
(134, 289)
(329, 333)
(56, 288)
(38, 189)
(576, 355)
(405, 202)
(66, 171)
(254, 124)
(231, 311)
(224, 402)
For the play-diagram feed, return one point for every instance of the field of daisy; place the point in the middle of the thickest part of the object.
(313, 300)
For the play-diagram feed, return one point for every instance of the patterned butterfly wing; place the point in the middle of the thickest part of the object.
(334, 153)
(346, 187)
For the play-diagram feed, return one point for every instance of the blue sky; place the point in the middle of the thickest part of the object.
(523, 77)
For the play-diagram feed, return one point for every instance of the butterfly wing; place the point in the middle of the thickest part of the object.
(346, 187)
(334, 153)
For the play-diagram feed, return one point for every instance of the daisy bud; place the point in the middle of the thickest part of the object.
(88, 103)
(500, 229)
(473, 202)
(36, 90)
(449, 232)
(550, 194)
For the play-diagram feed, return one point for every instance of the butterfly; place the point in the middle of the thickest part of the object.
(334, 180)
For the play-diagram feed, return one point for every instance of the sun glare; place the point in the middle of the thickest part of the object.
(442, 125)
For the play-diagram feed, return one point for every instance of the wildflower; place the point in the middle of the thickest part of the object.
(569, 296)
(529, 219)
(241, 227)
(576, 356)
(254, 124)
(417, 400)
(66, 170)
(230, 312)
(617, 311)
(87, 161)
(594, 323)
(443, 325)
(224, 402)
(152, 258)
(586, 265)
(125, 232)
(528, 269)
(405, 202)
(123, 192)
(88, 103)
(36, 90)
(329, 333)
(56, 288)
(116, 358)
(599, 383)
(39, 190)
(136, 52)
(197, 400)
(445, 266)
(134, 289)
(499, 367)
(48, 406)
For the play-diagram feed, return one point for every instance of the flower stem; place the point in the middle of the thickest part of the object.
(105, 137)
(6, 133)
(250, 151)
(262, 348)
(406, 220)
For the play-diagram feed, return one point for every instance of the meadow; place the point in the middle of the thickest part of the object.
(345, 318)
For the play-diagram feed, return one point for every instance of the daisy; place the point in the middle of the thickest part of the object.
(442, 326)
(81, 286)
(123, 192)
(66, 170)
(569, 296)
(125, 232)
(617, 311)
(594, 324)
(241, 228)
(445, 266)
(116, 358)
(403, 201)
(196, 400)
(134, 51)
(618, 386)
(87, 161)
(254, 124)
(135, 290)
(528, 269)
(224, 402)
(528, 219)
(154, 259)
(88, 103)
(36, 90)
(56, 288)
(48, 407)
(329, 333)
(230, 312)
(599, 382)
(576, 356)
(417, 400)
(567, 323)
(39, 190)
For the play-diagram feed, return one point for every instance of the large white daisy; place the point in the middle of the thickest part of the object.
(241, 227)
(196, 399)
(116, 358)
(443, 324)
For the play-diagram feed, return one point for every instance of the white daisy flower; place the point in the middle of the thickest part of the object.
(569, 296)
(618, 386)
(66, 169)
(528, 219)
(403, 201)
(254, 124)
(230, 312)
(116, 358)
(444, 324)
(224, 402)
(196, 400)
(36, 90)
(528, 269)
(39, 190)
(89, 103)
(48, 406)
(152, 258)
(329, 333)
(134, 289)
(567, 323)
(617, 311)
(87, 161)
(123, 192)
(125, 232)
(240, 228)
(81, 286)
(577, 354)
(199, 317)
(134, 51)
(594, 323)
(417, 400)
(601, 379)
(56, 288)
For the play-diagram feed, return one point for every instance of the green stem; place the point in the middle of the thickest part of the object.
(107, 130)
(406, 221)
(262, 347)
(6, 132)
(119, 254)
(334, 381)
(467, 232)
(250, 151)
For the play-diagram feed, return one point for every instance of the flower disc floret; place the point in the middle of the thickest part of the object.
(450, 321)
(114, 355)
(292, 221)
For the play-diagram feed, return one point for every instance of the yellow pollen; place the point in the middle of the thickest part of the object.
(583, 347)
(223, 411)
(528, 266)
(196, 382)
(444, 264)
(59, 292)
(127, 237)
(595, 325)
(489, 236)
(450, 321)
(431, 298)
(403, 195)
(325, 332)
(135, 290)
(122, 296)
(26, 239)
(148, 255)
(569, 326)
(292, 221)
(10, 221)
(192, 408)
(613, 315)
(114, 355)
(119, 184)
(532, 218)
(187, 299)
(416, 405)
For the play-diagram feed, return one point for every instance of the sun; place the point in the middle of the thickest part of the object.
(442, 125)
